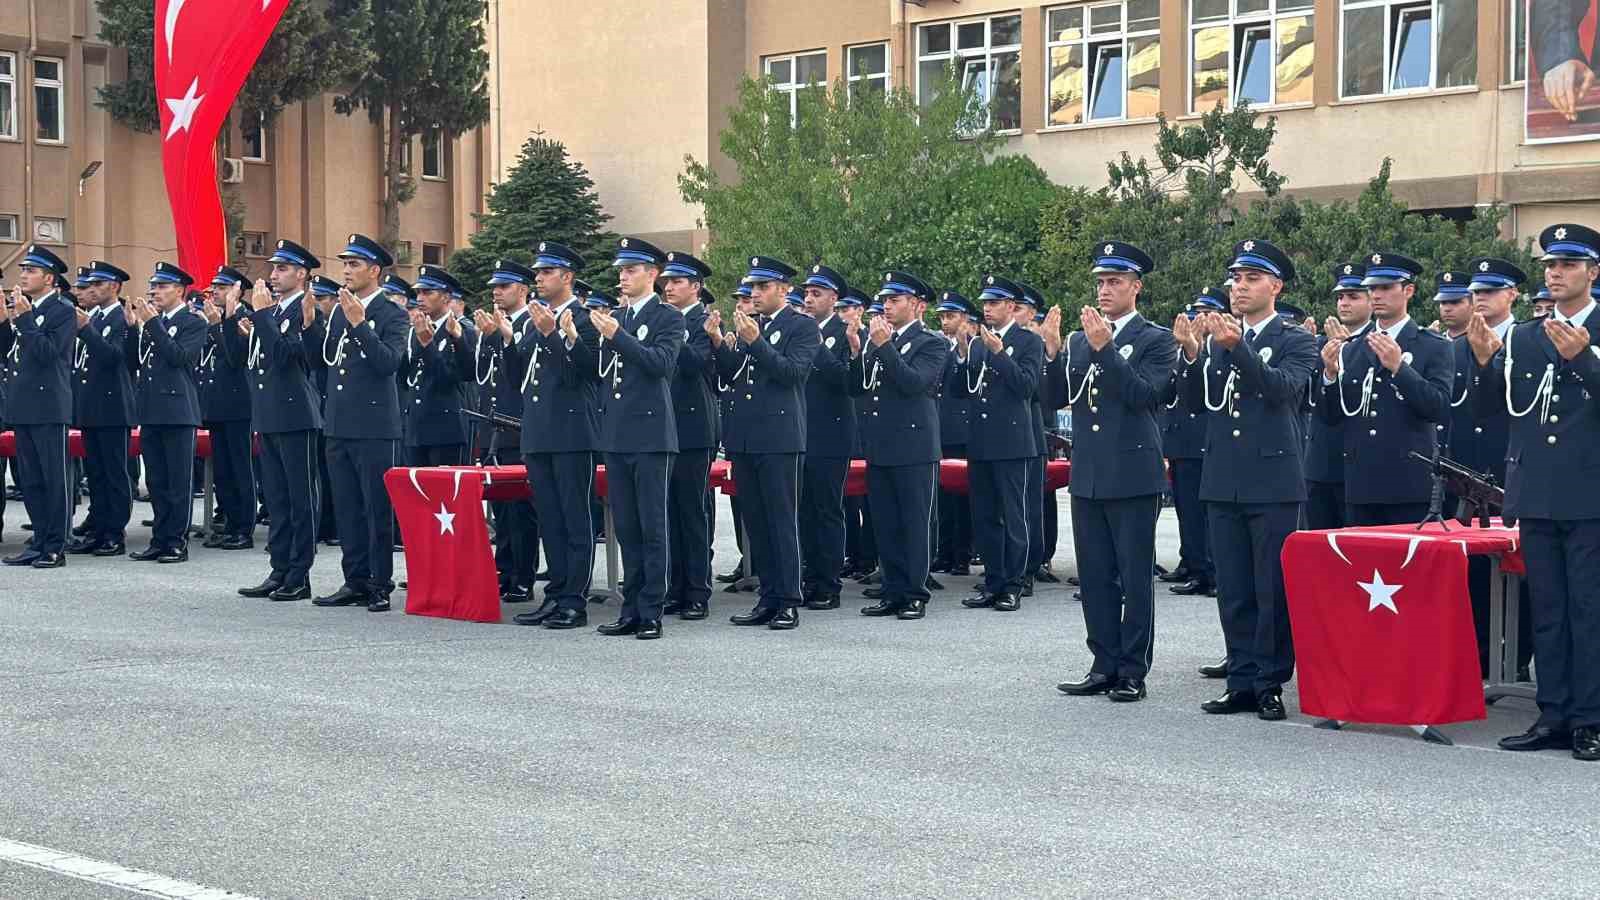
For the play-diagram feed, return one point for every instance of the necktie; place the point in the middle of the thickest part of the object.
(1250, 337)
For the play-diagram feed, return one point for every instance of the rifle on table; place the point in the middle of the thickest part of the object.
(1480, 496)
(1057, 444)
(501, 422)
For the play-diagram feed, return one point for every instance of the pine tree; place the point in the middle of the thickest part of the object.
(546, 196)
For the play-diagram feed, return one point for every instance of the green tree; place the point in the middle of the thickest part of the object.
(309, 53)
(546, 196)
(428, 75)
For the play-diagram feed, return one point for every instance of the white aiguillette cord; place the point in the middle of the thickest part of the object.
(1541, 393)
(1227, 386)
(1088, 379)
(1365, 405)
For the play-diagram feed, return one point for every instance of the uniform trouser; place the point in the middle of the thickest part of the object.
(516, 542)
(1360, 514)
(363, 510)
(860, 545)
(636, 488)
(327, 521)
(563, 484)
(738, 524)
(1325, 505)
(437, 455)
(1246, 542)
(233, 476)
(105, 465)
(1052, 526)
(3, 466)
(903, 497)
(1115, 543)
(1563, 559)
(1035, 514)
(955, 516)
(41, 473)
(690, 502)
(293, 493)
(999, 489)
(821, 516)
(1194, 544)
(769, 485)
(168, 452)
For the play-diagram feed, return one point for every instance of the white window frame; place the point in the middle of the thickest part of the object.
(1086, 39)
(1516, 15)
(57, 84)
(244, 139)
(8, 96)
(964, 58)
(1269, 18)
(1390, 58)
(792, 88)
(15, 231)
(851, 78)
(439, 146)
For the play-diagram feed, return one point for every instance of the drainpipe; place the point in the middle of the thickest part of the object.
(27, 139)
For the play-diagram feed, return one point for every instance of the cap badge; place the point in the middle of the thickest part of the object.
(815, 269)
(1249, 246)
(1447, 278)
(1483, 267)
(991, 280)
(1377, 259)
(671, 257)
(1108, 249)
(755, 260)
(624, 243)
(1561, 233)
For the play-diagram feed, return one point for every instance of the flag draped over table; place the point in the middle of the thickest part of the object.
(204, 51)
(449, 567)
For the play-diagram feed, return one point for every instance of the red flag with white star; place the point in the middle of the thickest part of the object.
(1383, 626)
(449, 567)
(204, 51)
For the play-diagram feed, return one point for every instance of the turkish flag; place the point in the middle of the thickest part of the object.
(1383, 626)
(449, 567)
(204, 51)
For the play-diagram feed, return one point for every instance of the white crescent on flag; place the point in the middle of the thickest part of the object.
(174, 7)
(1411, 550)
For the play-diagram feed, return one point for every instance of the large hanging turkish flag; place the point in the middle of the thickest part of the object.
(204, 51)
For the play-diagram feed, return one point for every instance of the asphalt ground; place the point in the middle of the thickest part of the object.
(151, 718)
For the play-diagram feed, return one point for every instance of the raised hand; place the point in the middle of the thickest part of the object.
(354, 313)
(852, 336)
(1187, 333)
(247, 327)
(713, 327)
(308, 311)
(1225, 330)
(484, 321)
(1330, 358)
(21, 305)
(746, 327)
(1050, 331)
(542, 319)
(422, 326)
(992, 340)
(1095, 328)
(569, 327)
(604, 323)
(212, 315)
(1386, 349)
(261, 296)
(1570, 340)
(83, 317)
(1334, 328)
(452, 325)
(230, 299)
(1482, 339)
(1310, 325)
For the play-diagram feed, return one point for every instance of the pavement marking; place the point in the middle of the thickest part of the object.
(106, 874)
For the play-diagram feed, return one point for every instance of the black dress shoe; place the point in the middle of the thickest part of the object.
(237, 542)
(111, 548)
(1539, 737)
(871, 576)
(1027, 588)
(882, 608)
(1045, 576)
(1218, 669)
(49, 561)
(546, 610)
(1193, 588)
(939, 565)
(914, 609)
(83, 545)
(649, 630)
(695, 611)
(1007, 602)
(932, 584)
(174, 555)
(566, 618)
(331, 542)
(821, 600)
(1231, 702)
(213, 540)
(516, 594)
(1091, 684)
(1128, 690)
(761, 615)
(620, 627)
(1073, 580)
(1177, 576)
(960, 568)
(344, 596)
(148, 554)
(263, 589)
(378, 603)
(25, 558)
(980, 600)
(872, 593)
(1269, 707)
(731, 577)
(290, 593)
(787, 619)
(80, 530)
(675, 608)
(1586, 743)
(542, 576)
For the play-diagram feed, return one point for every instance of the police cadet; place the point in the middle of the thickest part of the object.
(105, 411)
(1252, 377)
(1455, 311)
(286, 411)
(860, 547)
(898, 370)
(953, 549)
(1113, 374)
(224, 386)
(438, 361)
(1024, 313)
(1183, 434)
(324, 294)
(39, 342)
(1455, 314)
(1325, 468)
(1391, 388)
(167, 342)
(1479, 443)
(742, 302)
(766, 365)
(830, 440)
(362, 344)
(694, 408)
(1000, 369)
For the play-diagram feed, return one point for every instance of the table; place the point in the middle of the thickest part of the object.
(953, 475)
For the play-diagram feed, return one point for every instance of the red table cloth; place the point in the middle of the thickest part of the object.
(202, 443)
(1382, 620)
(953, 475)
(855, 478)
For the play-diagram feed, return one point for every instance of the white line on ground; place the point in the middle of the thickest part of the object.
(95, 871)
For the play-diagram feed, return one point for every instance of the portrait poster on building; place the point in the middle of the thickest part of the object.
(1563, 95)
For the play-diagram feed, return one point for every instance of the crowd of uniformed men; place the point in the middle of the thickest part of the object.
(311, 388)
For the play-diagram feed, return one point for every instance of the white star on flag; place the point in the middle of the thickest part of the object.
(1378, 593)
(183, 109)
(447, 520)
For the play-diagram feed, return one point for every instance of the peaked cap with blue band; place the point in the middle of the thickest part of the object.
(38, 257)
(823, 277)
(551, 255)
(1451, 287)
(1262, 256)
(295, 255)
(1347, 277)
(1389, 268)
(998, 287)
(631, 252)
(167, 273)
(905, 283)
(682, 265)
(100, 270)
(1119, 257)
(1492, 274)
(323, 286)
(1568, 241)
(433, 278)
(228, 276)
(509, 271)
(362, 247)
(767, 268)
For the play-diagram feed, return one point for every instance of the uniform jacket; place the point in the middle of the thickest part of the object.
(1116, 436)
(501, 373)
(954, 403)
(362, 362)
(1002, 387)
(830, 413)
(898, 383)
(283, 395)
(434, 373)
(40, 349)
(560, 386)
(1325, 437)
(223, 379)
(767, 378)
(694, 400)
(1477, 443)
(105, 390)
(1183, 426)
(168, 348)
(637, 364)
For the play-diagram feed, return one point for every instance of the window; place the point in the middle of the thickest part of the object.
(987, 55)
(1107, 71)
(433, 254)
(1516, 67)
(1403, 47)
(867, 68)
(791, 75)
(8, 95)
(1259, 51)
(9, 229)
(433, 155)
(405, 156)
(253, 244)
(48, 106)
(402, 253)
(48, 230)
(254, 134)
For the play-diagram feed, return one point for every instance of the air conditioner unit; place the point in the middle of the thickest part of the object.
(232, 171)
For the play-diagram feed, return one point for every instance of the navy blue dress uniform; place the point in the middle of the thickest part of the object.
(830, 441)
(39, 408)
(499, 376)
(860, 547)
(694, 408)
(105, 415)
(1387, 415)
(1253, 485)
(1183, 437)
(168, 349)
(322, 288)
(286, 411)
(1041, 539)
(1001, 444)
(1115, 394)
(436, 431)
(1554, 408)
(224, 384)
(764, 434)
(362, 426)
(639, 436)
(953, 549)
(1325, 496)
